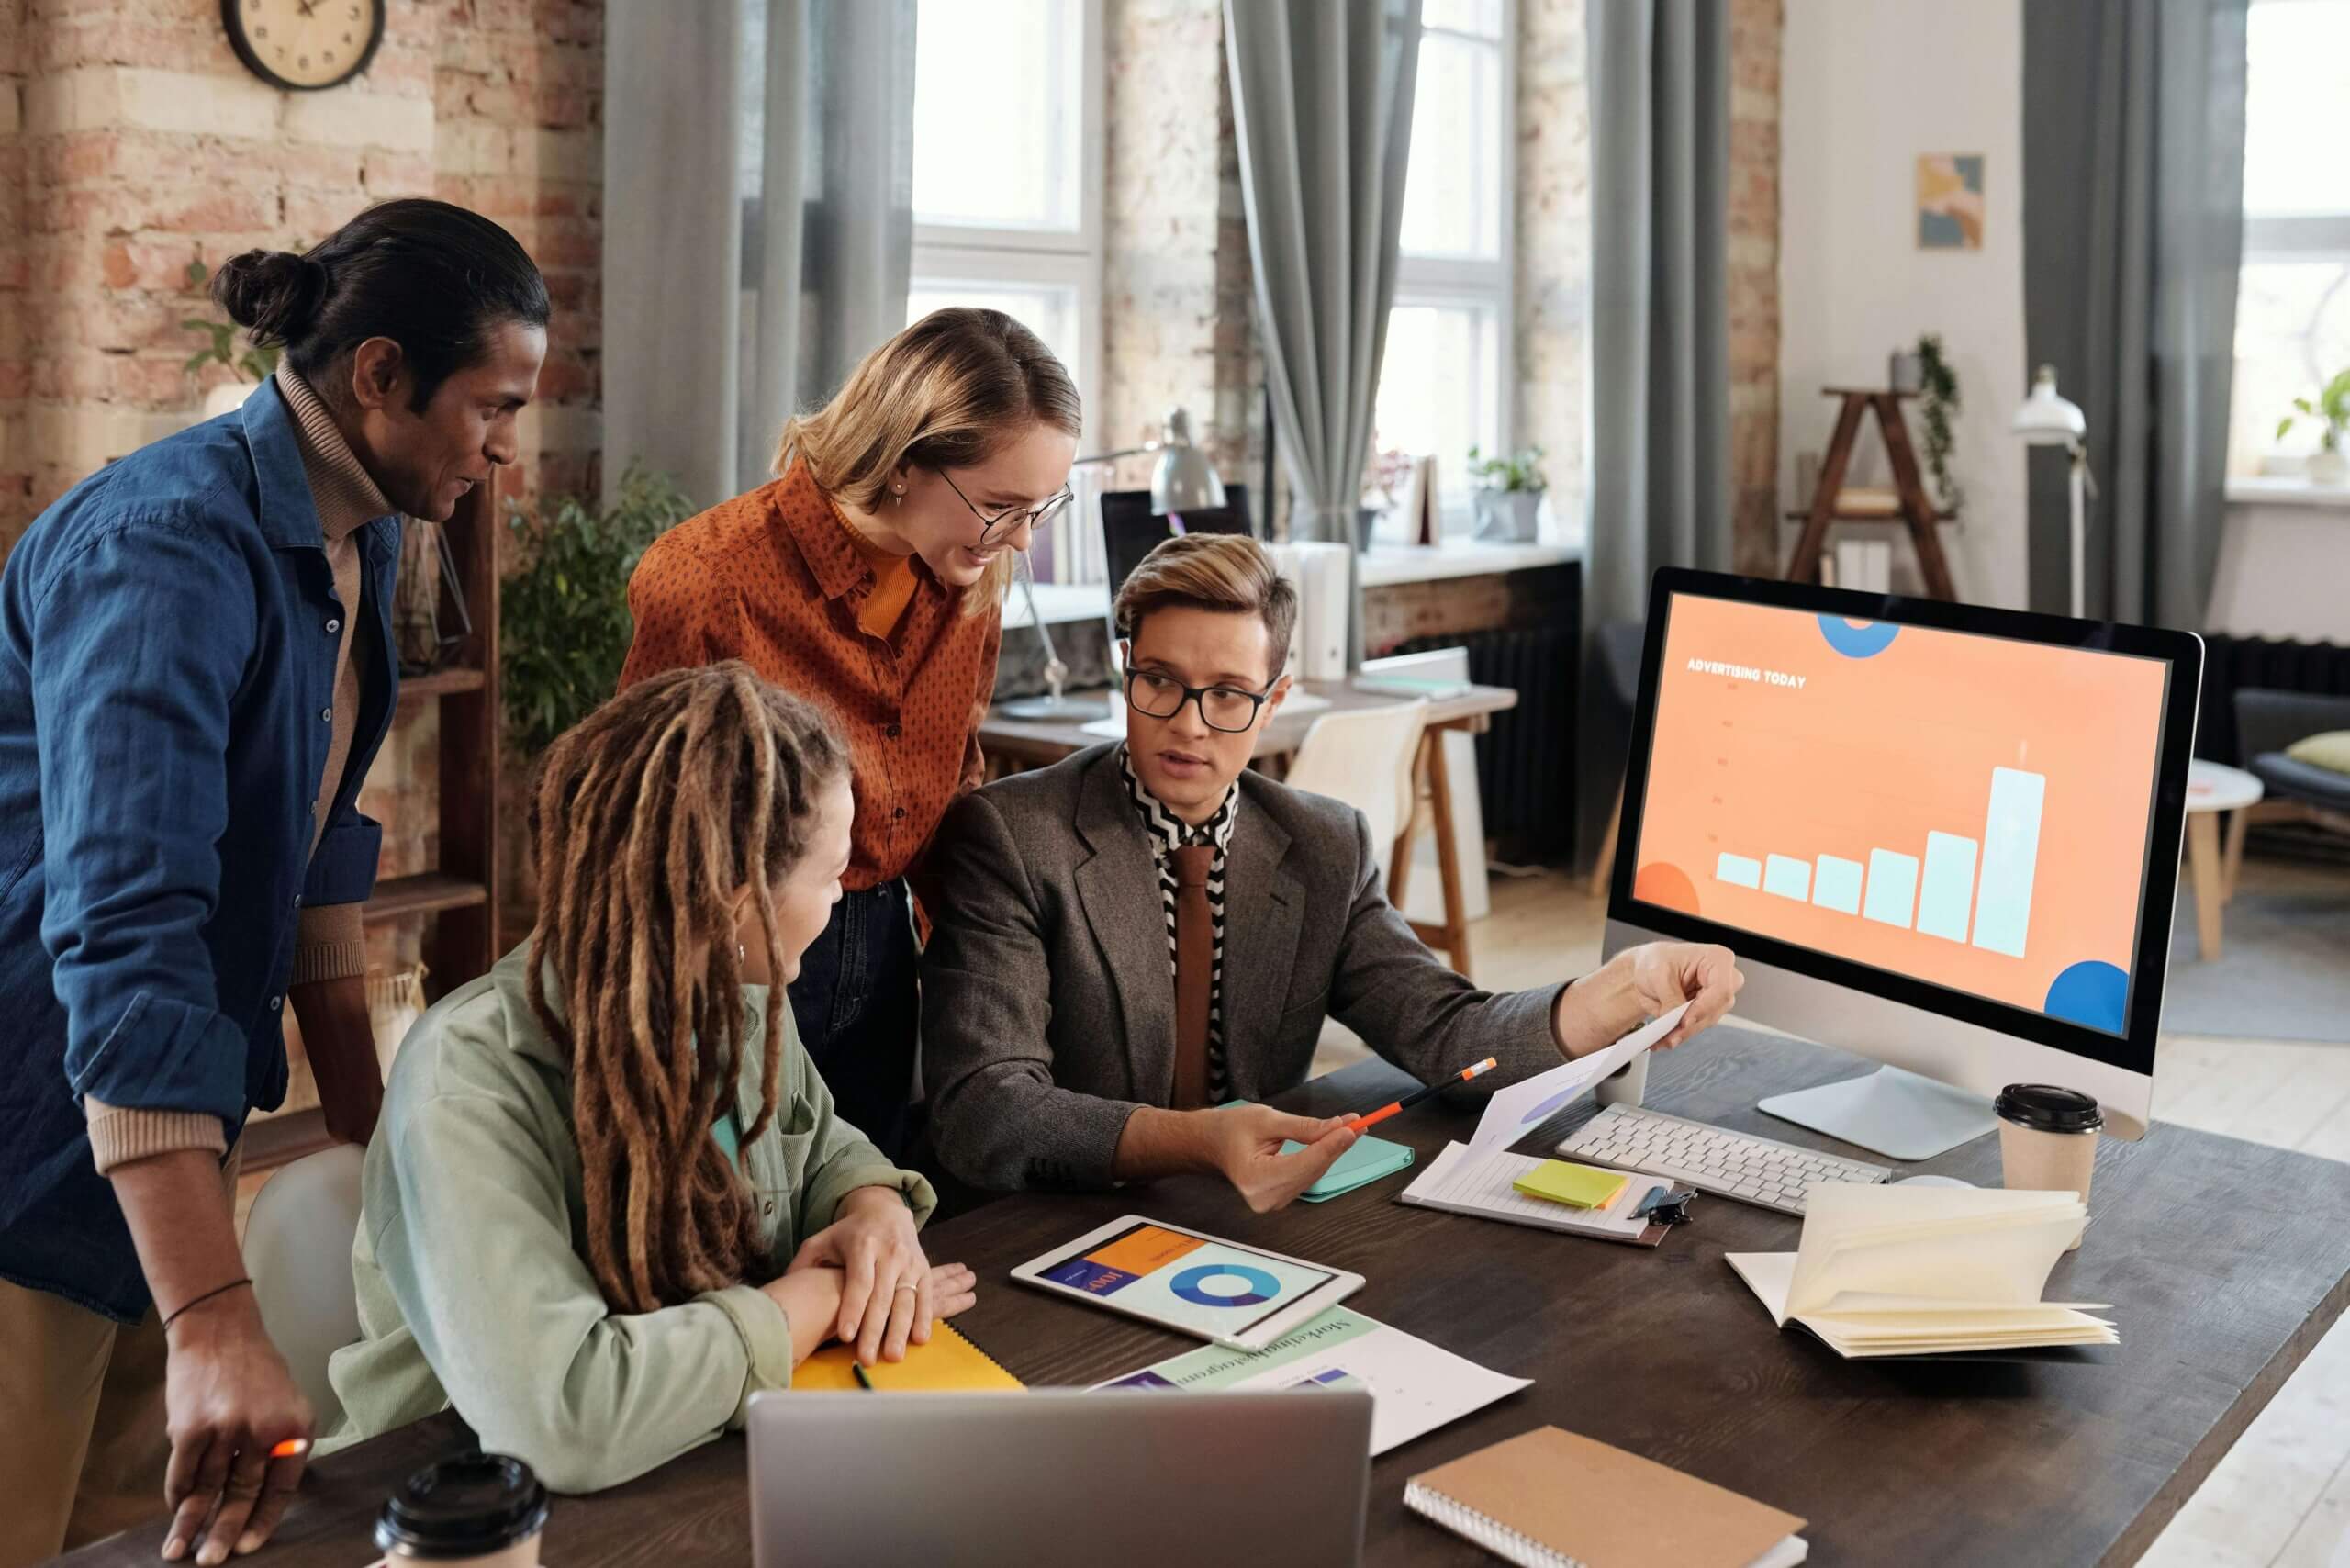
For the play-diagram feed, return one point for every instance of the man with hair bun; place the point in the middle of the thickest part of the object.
(1133, 937)
(196, 670)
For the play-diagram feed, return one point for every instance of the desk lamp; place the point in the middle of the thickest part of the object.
(1182, 479)
(2047, 420)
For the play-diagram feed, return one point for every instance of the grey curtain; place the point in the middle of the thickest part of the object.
(1322, 108)
(758, 175)
(1659, 490)
(2132, 232)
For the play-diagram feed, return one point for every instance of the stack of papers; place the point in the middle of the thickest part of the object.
(1926, 1271)
(1415, 1387)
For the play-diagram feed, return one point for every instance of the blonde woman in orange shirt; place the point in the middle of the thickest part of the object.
(869, 578)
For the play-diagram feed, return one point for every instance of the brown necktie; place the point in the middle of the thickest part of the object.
(1194, 973)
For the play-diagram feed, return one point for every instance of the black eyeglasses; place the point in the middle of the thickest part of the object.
(1038, 515)
(1226, 708)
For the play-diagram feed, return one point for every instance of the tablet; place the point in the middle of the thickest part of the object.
(1193, 1283)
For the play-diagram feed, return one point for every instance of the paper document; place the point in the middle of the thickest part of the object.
(1516, 1111)
(1415, 1387)
(1917, 1270)
(1462, 1181)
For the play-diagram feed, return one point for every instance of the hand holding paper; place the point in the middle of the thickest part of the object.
(1517, 1110)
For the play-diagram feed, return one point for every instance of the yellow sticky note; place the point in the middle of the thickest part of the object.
(1578, 1186)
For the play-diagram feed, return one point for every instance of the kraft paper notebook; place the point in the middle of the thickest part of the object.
(950, 1363)
(1551, 1500)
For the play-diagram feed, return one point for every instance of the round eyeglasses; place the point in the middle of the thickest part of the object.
(1043, 512)
(1226, 708)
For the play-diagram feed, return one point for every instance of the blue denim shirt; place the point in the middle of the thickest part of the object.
(168, 637)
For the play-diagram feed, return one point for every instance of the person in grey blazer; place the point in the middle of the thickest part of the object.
(1066, 1041)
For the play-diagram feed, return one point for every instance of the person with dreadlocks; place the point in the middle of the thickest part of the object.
(609, 1197)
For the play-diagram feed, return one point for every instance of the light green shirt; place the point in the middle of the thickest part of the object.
(472, 1280)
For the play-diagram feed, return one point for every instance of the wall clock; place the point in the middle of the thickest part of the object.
(304, 45)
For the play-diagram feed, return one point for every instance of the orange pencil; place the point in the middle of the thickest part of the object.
(1407, 1101)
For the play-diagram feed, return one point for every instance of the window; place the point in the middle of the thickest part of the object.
(1007, 168)
(1448, 380)
(2293, 299)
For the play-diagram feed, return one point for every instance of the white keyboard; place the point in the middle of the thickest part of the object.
(1729, 1165)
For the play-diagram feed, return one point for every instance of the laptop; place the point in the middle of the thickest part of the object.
(1129, 532)
(1054, 1477)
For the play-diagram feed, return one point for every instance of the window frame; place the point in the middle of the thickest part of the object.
(2273, 238)
(949, 254)
(1447, 281)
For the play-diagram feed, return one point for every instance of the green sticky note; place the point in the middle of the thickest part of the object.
(1368, 1160)
(1578, 1186)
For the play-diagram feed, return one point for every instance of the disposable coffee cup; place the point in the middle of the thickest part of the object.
(482, 1509)
(1628, 1085)
(2047, 1139)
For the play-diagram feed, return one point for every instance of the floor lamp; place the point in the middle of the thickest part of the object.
(2047, 420)
(1182, 479)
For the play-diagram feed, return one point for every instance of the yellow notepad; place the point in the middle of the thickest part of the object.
(831, 1369)
(1578, 1186)
(950, 1363)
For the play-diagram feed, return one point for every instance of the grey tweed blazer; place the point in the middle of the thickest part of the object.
(1048, 1008)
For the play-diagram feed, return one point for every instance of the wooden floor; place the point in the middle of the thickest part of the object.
(2281, 1497)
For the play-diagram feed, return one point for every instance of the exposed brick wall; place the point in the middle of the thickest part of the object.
(1553, 246)
(133, 142)
(1756, 28)
(1176, 288)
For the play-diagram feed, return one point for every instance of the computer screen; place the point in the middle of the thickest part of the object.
(1971, 810)
(1129, 532)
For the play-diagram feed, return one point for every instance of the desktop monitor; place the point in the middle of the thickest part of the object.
(1129, 532)
(1940, 835)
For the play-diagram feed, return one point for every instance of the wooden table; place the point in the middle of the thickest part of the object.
(2213, 788)
(1039, 743)
(2227, 1262)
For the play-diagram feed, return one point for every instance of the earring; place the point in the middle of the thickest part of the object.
(742, 955)
(897, 495)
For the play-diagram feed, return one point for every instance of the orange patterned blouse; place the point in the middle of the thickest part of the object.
(774, 577)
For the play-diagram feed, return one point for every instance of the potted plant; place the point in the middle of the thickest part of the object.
(254, 365)
(1940, 384)
(1509, 494)
(563, 625)
(2328, 464)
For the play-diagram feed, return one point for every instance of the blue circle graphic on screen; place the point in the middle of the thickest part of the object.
(2093, 992)
(1256, 1286)
(1864, 641)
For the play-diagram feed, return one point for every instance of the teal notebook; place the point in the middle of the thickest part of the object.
(1370, 1159)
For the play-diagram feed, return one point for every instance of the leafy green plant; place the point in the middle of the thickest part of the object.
(563, 625)
(1941, 403)
(2332, 410)
(254, 364)
(1523, 472)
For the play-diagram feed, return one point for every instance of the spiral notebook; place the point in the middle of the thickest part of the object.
(1550, 1499)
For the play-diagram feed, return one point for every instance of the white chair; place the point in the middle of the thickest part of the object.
(1366, 756)
(297, 1249)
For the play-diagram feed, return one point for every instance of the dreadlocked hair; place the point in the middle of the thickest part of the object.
(647, 817)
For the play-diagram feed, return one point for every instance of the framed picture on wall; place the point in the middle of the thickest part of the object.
(1950, 201)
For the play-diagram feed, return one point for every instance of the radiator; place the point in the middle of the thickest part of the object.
(2230, 664)
(1526, 783)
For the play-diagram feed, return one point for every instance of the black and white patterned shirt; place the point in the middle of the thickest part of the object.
(1167, 833)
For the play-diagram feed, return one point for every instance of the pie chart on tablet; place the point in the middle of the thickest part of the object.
(1226, 1284)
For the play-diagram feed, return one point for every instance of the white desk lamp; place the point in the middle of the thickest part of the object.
(1181, 481)
(2047, 420)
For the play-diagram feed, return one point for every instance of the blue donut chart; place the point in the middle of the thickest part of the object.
(1191, 1284)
